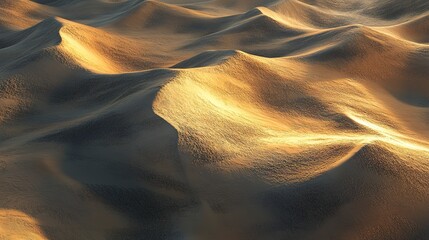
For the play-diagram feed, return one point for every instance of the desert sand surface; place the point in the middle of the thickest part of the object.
(214, 119)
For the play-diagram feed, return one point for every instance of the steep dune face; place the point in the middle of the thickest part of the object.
(103, 52)
(189, 119)
(77, 44)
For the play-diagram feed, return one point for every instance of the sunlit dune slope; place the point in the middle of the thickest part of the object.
(17, 225)
(269, 118)
(218, 119)
(262, 106)
(77, 46)
(19, 14)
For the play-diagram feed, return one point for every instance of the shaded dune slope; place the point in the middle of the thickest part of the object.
(161, 16)
(414, 30)
(188, 119)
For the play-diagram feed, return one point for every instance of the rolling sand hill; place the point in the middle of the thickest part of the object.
(218, 119)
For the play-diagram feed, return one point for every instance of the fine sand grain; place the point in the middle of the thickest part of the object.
(214, 119)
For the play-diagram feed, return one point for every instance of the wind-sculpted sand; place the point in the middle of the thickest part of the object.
(219, 119)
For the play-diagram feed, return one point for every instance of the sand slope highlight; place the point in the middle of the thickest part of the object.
(220, 119)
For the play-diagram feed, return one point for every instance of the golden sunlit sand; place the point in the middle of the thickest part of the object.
(219, 119)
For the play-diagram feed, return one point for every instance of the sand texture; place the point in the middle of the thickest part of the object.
(214, 119)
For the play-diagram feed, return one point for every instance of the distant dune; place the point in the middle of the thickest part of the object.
(219, 119)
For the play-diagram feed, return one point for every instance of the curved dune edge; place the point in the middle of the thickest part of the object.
(220, 119)
(17, 225)
(230, 104)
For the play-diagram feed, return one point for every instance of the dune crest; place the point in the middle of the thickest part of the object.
(219, 119)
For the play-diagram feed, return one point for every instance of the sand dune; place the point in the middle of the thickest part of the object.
(414, 30)
(220, 119)
(247, 33)
(155, 14)
(312, 16)
(21, 14)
